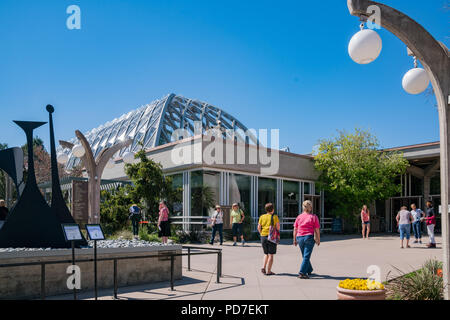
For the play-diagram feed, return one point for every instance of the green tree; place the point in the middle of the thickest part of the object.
(203, 197)
(114, 209)
(150, 186)
(37, 142)
(354, 171)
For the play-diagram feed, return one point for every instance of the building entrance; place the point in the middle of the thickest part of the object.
(397, 203)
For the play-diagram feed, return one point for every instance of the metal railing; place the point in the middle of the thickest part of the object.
(190, 220)
(326, 224)
(172, 256)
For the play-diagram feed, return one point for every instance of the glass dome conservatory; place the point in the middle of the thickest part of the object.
(153, 125)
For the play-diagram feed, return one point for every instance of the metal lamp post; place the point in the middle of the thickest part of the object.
(94, 168)
(435, 58)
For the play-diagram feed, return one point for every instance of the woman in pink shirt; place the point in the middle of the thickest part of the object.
(365, 221)
(163, 222)
(306, 234)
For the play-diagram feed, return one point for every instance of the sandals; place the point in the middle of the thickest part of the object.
(271, 273)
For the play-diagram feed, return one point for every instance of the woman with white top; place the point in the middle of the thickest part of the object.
(217, 225)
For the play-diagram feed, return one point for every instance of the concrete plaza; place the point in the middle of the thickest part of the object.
(337, 257)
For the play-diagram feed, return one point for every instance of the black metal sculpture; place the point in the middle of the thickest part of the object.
(11, 161)
(58, 205)
(32, 223)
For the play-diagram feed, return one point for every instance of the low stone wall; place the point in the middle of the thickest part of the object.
(24, 282)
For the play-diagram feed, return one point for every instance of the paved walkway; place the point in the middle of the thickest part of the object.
(337, 258)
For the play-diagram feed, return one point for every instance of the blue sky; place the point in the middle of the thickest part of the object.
(272, 64)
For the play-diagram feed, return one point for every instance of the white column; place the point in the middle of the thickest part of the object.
(254, 201)
(280, 201)
(186, 200)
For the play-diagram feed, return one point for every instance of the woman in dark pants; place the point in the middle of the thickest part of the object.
(163, 222)
(269, 248)
(217, 225)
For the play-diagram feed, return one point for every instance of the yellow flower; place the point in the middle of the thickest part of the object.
(360, 284)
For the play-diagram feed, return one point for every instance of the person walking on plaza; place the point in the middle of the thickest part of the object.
(417, 215)
(404, 220)
(431, 223)
(135, 217)
(217, 225)
(236, 218)
(365, 221)
(306, 234)
(163, 222)
(269, 248)
(3, 213)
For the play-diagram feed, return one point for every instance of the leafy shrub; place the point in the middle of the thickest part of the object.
(423, 284)
(114, 210)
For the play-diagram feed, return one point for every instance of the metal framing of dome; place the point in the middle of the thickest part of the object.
(153, 125)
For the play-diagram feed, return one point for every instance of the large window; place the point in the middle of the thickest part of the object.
(240, 191)
(435, 185)
(416, 186)
(177, 186)
(205, 192)
(315, 199)
(267, 192)
(307, 188)
(291, 199)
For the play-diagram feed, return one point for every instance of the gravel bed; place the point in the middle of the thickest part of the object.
(119, 243)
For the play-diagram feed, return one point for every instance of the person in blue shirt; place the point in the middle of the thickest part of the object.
(417, 224)
(135, 217)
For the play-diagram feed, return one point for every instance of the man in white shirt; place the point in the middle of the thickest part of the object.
(417, 225)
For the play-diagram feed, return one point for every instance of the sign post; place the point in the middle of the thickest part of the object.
(95, 232)
(72, 233)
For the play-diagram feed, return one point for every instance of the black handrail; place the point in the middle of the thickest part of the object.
(115, 268)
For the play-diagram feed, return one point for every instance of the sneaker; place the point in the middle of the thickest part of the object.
(234, 244)
(303, 276)
(415, 241)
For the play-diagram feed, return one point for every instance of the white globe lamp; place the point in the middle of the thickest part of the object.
(110, 164)
(415, 81)
(128, 157)
(62, 158)
(78, 151)
(365, 46)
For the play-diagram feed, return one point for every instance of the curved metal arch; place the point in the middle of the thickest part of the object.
(435, 58)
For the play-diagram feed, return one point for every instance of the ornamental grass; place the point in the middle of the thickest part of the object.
(423, 284)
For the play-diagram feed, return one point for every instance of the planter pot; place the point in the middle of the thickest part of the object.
(346, 294)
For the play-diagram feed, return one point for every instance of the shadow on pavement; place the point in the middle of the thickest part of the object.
(324, 276)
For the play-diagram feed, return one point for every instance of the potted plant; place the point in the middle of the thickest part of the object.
(360, 289)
